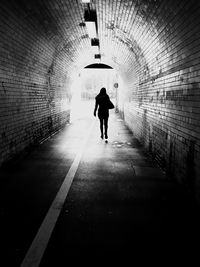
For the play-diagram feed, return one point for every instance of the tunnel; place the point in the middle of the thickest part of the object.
(149, 48)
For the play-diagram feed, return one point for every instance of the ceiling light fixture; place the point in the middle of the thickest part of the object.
(85, 1)
(95, 49)
(91, 22)
(97, 56)
(95, 42)
(95, 45)
(91, 29)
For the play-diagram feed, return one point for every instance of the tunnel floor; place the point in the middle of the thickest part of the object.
(120, 206)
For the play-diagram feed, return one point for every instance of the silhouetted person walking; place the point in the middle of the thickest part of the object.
(102, 104)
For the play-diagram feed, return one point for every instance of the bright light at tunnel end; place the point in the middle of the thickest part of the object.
(84, 88)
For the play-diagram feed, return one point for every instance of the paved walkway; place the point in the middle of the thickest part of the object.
(93, 202)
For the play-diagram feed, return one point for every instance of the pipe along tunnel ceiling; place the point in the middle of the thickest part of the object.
(152, 44)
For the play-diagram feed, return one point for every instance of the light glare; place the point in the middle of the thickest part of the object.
(91, 28)
(95, 49)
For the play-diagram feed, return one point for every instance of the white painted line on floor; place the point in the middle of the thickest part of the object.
(40, 242)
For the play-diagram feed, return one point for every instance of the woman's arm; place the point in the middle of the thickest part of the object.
(95, 109)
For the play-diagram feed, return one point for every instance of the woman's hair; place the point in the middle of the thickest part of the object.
(103, 91)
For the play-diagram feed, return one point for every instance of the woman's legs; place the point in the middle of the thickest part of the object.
(106, 127)
(101, 126)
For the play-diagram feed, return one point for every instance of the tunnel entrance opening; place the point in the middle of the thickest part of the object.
(87, 84)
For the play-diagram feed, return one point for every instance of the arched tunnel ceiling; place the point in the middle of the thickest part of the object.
(131, 33)
(122, 28)
(127, 30)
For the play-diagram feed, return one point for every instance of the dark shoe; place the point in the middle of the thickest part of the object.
(106, 136)
(102, 136)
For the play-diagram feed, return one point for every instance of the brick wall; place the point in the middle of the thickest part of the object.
(163, 107)
(34, 101)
